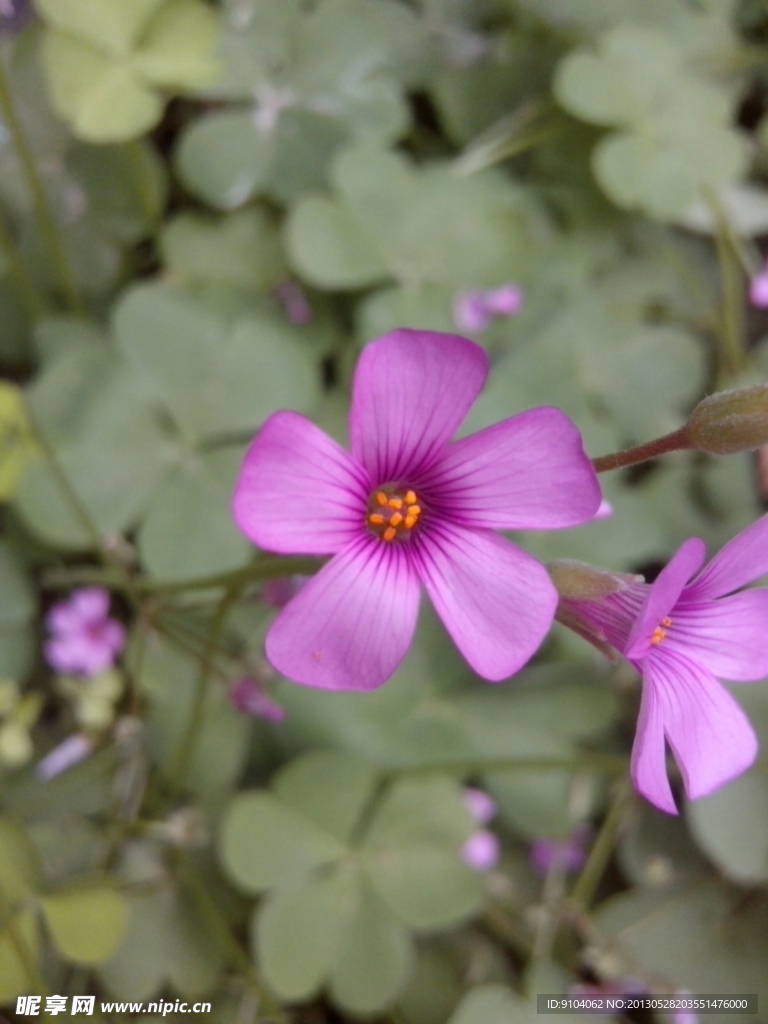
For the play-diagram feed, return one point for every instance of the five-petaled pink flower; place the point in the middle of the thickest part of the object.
(84, 640)
(408, 508)
(682, 632)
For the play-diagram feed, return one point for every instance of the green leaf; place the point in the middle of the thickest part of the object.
(330, 787)
(14, 977)
(188, 530)
(374, 953)
(416, 812)
(731, 827)
(426, 886)
(242, 249)
(112, 27)
(296, 933)
(86, 925)
(265, 843)
(489, 1004)
(102, 100)
(178, 48)
(165, 939)
(20, 869)
(330, 248)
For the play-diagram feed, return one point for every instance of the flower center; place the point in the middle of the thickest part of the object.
(392, 514)
(659, 633)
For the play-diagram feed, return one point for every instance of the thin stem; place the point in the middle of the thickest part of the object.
(603, 764)
(553, 894)
(674, 442)
(21, 276)
(43, 210)
(602, 849)
(263, 568)
(191, 736)
(220, 929)
(9, 922)
(731, 351)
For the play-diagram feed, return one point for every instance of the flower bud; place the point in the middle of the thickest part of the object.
(730, 421)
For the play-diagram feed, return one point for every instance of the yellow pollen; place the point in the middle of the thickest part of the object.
(410, 522)
(389, 533)
(396, 519)
(395, 502)
(376, 519)
(414, 510)
(410, 497)
(381, 498)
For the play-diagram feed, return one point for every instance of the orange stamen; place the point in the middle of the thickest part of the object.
(389, 533)
(376, 519)
(381, 498)
(410, 522)
(666, 621)
(395, 502)
(396, 519)
(410, 497)
(414, 510)
(658, 635)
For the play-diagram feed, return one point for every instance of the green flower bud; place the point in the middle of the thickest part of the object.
(578, 581)
(730, 421)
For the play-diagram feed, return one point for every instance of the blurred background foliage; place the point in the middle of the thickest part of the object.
(205, 210)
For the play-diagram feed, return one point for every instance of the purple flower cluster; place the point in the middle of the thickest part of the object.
(84, 639)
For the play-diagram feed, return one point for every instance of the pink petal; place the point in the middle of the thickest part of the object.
(496, 601)
(727, 636)
(299, 492)
(352, 624)
(710, 735)
(527, 472)
(482, 851)
(743, 560)
(664, 592)
(649, 765)
(412, 390)
(91, 603)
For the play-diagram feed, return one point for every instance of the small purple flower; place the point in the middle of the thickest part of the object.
(482, 850)
(758, 289)
(408, 508)
(570, 851)
(84, 641)
(481, 806)
(247, 696)
(682, 633)
(69, 752)
(474, 309)
(294, 301)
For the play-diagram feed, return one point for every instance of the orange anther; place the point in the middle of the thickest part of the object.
(389, 533)
(410, 522)
(410, 497)
(395, 502)
(396, 519)
(658, 635)
(381, 498)
(414, 510)
(376, 519)
(666, 621)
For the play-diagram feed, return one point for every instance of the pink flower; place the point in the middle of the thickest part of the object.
(758, 289)
(682, 632)
(85, 640)
(482, 850)
(571, 850)
(481, 806)
(474, 309)
(247, 696)
(408, 509)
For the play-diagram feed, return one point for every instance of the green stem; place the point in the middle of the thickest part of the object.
(602, 849)
(674, 442)
(19, 273)
(191, 736)
(220, 929)
(603, 764)
(9, 922)
(263, 568)
(43, 210)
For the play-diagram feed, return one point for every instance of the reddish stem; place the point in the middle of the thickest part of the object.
(674, 442)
